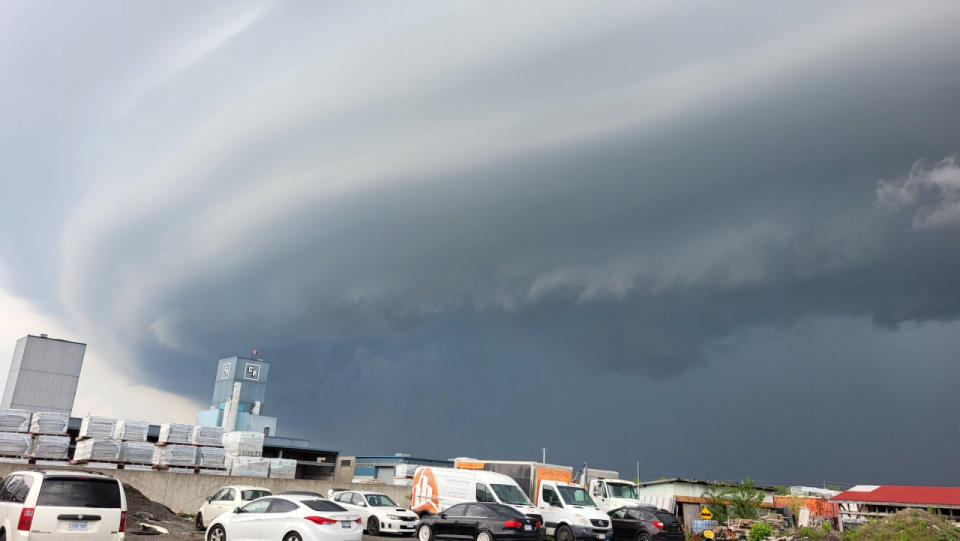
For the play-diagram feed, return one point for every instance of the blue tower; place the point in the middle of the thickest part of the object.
(239, 391)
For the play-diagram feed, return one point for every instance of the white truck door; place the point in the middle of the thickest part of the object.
(551, 508)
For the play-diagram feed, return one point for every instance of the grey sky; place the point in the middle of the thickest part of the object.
(476, 229)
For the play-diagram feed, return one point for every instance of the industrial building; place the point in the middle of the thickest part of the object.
(685, 497)
(396, 469)
(863, 502)
(44, 374)
(239, 390)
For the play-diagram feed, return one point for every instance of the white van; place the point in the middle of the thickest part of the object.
(62, 505)
(570, 513)
(436, 489)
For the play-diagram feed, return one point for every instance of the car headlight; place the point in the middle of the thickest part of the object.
(582, 520)
(394, 517)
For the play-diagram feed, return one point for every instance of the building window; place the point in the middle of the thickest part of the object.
(346, 462)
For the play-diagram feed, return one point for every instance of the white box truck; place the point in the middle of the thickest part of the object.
(436, 489)
(569, 514)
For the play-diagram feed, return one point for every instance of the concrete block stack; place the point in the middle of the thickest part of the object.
(248, 444)
(175, 433)
(283, 468)
(211, 436)
(14, 444)
(14, 439)
(127, 430)
(174, 455)
(211, 458)
(249, 466)
(136, 452)
(97, 427)
(47, 447)
(97, 450)
(49, 422)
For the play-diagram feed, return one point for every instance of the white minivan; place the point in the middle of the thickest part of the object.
(436, 489)
(62, 505)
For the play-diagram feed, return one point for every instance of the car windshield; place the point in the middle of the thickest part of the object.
(506, 511)
(322, 505)
(511, 494)
(250, 495)
(380, 500)
(622, 491)
(79, 492)
(575, 496)
(666, 516)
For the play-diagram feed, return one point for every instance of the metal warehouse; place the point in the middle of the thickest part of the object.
(392, 469)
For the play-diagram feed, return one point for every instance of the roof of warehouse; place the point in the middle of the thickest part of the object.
(901, 494)
(698, 482)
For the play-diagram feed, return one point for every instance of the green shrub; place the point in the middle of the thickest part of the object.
(825, 527)
(760, 530)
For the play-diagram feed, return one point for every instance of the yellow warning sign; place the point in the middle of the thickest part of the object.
(705, 514)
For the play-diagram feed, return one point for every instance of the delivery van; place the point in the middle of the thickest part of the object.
(527, 474)
(570, 513)
(436, 489)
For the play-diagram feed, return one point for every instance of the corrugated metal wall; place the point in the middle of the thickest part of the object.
(45, 373)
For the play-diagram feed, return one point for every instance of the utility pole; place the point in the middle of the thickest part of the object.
(543, 455)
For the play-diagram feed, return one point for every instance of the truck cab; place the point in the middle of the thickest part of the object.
(610, 494)
(570, 513)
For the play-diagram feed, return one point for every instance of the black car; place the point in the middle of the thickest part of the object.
(645, 523)
(479, 521)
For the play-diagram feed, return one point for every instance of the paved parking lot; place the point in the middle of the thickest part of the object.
(389, 537)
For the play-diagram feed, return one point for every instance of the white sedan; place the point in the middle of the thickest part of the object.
(287, 517)
(379, 513)
(225, 500)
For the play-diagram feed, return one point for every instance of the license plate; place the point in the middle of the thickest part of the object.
(407, 526)
(527, 528)
(345, 523)
(77, 526)
(601, 536)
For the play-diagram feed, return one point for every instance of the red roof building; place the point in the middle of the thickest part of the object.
(864, 501)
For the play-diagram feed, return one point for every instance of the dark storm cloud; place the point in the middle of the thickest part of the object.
(427, 217)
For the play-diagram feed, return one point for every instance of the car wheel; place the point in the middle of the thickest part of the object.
(293, 536)
(424, 533)
(373, 526)
(199, 522)
(563, 533)
(217, 533)
(484, 536)
(644, 536)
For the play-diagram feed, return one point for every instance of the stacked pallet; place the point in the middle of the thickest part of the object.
(14, 441)
(249, 466)
(97, 450)
(48, 447)
(136, 452)
(49, 422)
(97, 427)
(174, 455)
(207, 435)
(211, 458)
(283, 468)
(175, 433)
(14, 420)
(249, 444)
(127, 430)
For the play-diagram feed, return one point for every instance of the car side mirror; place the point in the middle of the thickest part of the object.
(209, 499)
(443, 515)
(236, 509)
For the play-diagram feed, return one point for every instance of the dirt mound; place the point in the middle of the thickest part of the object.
(912, 524)
(142, 510)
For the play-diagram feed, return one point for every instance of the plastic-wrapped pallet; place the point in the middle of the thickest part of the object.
(175, 455)
(131, 430)
(207, 435)
(136, 452)
(249, 466)
(49, 422)
(175, 433)
(283, 468)
(50, 447)
(97, 449)
(14, 420)
(97, 427)
(243, 443)
(211, 457)
(14, 443)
